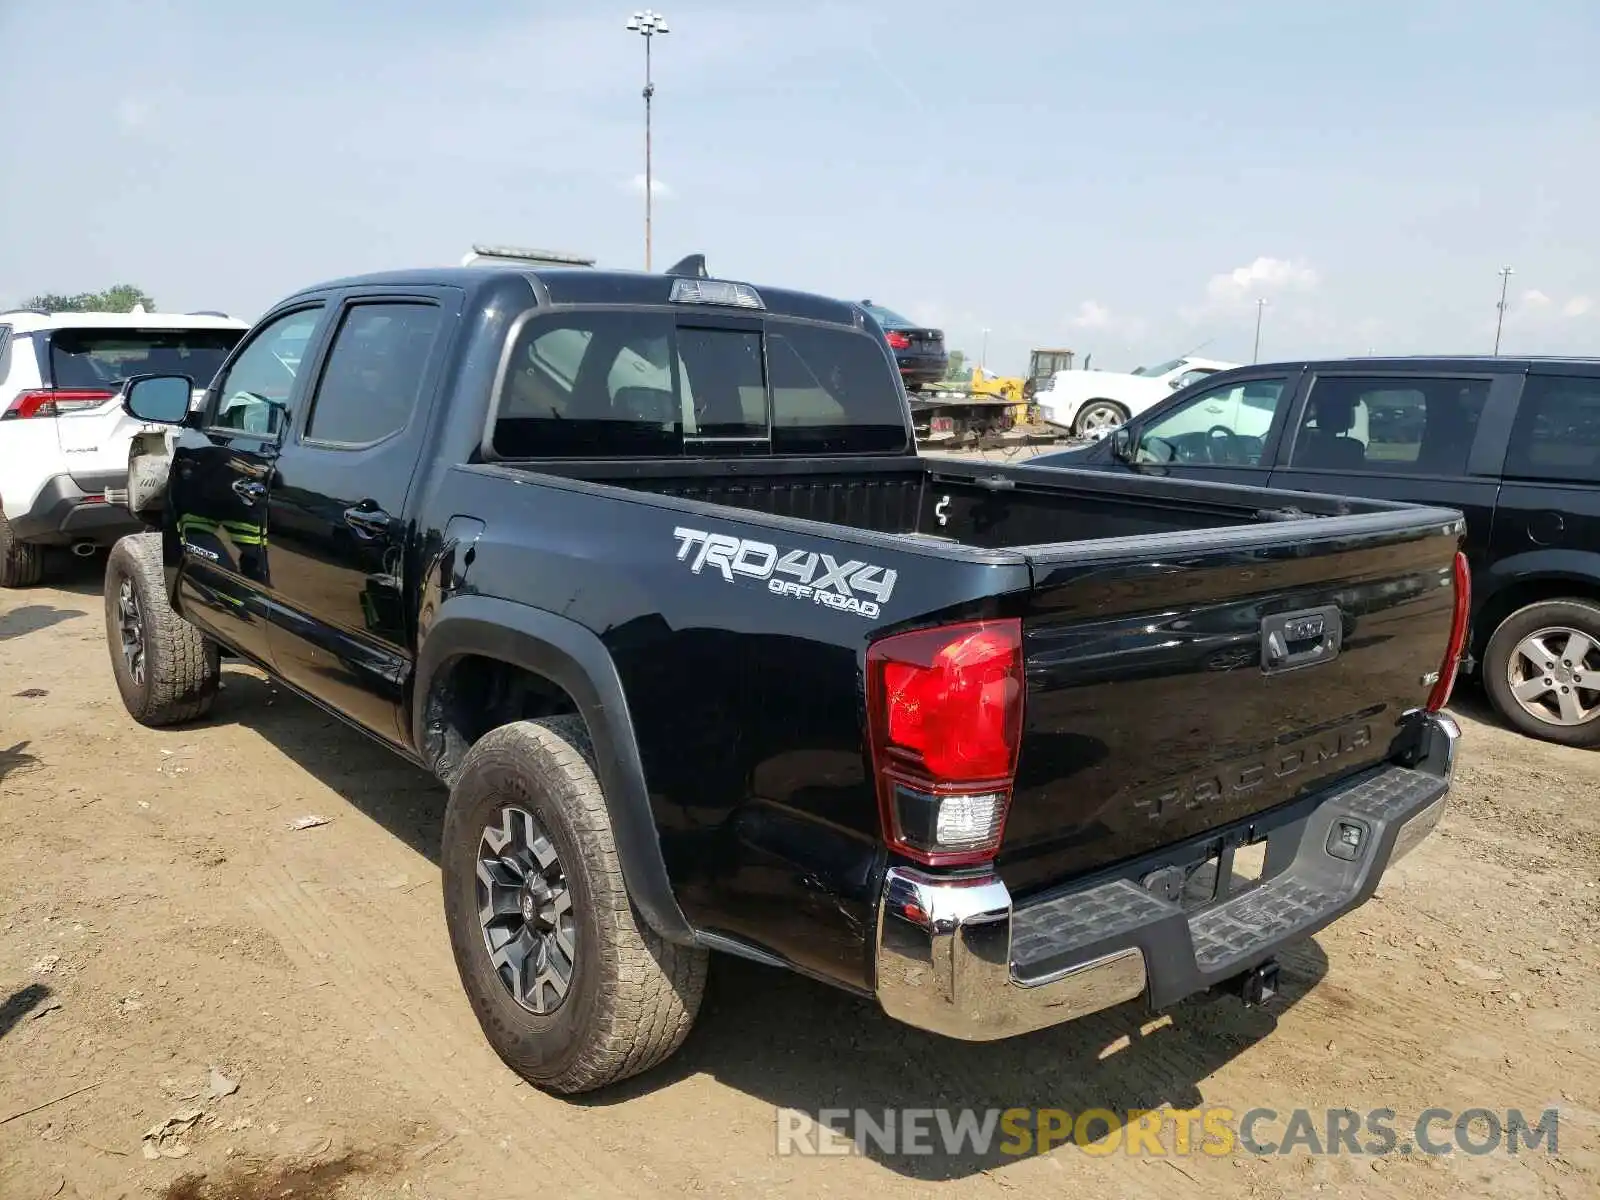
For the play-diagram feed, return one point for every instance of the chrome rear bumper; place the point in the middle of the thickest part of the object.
(957, 957)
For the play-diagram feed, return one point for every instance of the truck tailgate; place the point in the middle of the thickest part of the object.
(1180, 683)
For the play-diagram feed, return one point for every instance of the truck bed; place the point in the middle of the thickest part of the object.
(983, 505)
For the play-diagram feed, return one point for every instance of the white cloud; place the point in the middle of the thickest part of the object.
(659, 190)
(1264, 275)
(1091, 315)
(1542, 309)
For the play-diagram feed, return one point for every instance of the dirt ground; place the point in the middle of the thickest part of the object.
(281, 1006)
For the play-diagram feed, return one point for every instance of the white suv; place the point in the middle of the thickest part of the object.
(64, 438)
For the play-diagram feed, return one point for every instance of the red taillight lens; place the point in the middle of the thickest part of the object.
(1451, 667)
(897, 341)
(52, 402)
(945, 713)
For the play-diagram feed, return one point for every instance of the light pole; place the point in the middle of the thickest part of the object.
(647, 24)
(1500, 309)
(983, 354)
(1255, 355)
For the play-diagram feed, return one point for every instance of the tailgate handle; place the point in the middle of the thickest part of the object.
(1301, 639)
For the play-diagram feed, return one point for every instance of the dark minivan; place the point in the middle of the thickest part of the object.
(1513, 443)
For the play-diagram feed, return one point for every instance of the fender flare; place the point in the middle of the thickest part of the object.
(1544, 565)
(573, 658)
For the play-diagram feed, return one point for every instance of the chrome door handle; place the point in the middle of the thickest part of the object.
(367, 522)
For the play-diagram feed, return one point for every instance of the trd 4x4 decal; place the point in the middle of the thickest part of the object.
(799, 574)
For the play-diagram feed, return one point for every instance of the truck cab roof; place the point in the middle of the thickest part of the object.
(588, 285)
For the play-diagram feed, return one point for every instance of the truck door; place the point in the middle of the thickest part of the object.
(341, 629)
(220, 480)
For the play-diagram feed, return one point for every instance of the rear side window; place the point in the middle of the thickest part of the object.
(1557, 431)
(104, 358)
(1403, 425)
(621, 384)
(373, 375)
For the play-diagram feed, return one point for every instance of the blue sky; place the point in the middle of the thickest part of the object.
(1122, 178)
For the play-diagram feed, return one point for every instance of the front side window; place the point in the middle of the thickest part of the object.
(1557, 431)
(253, 395)
(373, 375)
(608, 384)
(1406, 424)
(1226, 426)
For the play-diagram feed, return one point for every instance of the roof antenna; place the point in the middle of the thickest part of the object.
(693, 267)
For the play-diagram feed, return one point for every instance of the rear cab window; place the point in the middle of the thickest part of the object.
(648, 384)
(105, 358)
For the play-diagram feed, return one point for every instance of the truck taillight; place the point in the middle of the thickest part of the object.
(897, 340)
(944, 711)
(1451, 666)
(52, 402)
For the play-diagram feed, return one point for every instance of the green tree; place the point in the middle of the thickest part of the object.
(120, 298)
(958, 365)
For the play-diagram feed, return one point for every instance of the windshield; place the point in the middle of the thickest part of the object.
(1161, 369)
(887, 317)
(104, 358)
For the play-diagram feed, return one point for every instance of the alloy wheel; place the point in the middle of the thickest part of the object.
(525, 908)
(130, 622)
(1554, 674)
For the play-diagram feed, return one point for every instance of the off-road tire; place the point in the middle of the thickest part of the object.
(21, 563)
(182, 668)
(633, 996)
(1581, 615)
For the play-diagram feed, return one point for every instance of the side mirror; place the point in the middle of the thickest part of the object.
(1121, 439)
(163, 399)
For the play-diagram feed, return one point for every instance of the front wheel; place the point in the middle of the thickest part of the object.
(166, 671)
(1098, 417)
(1542, 671)
(571, 987)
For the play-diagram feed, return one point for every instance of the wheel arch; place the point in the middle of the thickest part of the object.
(571, 670)
(1525, 579)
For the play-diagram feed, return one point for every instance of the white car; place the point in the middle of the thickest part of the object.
(1090, 403)
(64, 438)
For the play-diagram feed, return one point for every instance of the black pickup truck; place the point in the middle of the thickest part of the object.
(648, 571)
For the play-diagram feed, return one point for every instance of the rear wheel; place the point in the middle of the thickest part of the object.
(571, 987)
(165, 670)
(1097, 416)
(1542, 671)
(21, 564)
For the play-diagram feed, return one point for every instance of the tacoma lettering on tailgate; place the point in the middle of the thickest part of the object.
(798, 574)
(1236, 778)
